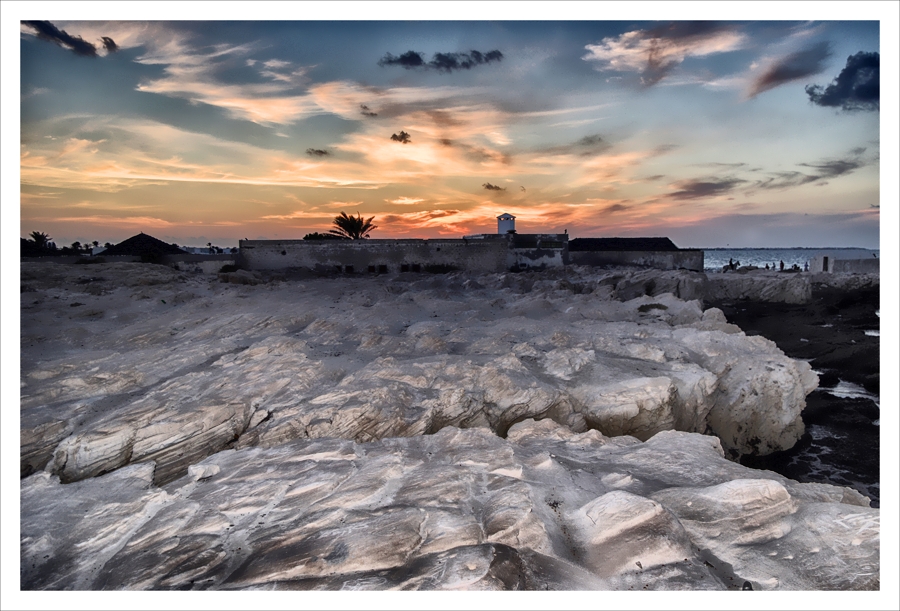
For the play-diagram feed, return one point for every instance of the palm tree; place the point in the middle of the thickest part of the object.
(352, 227)
(40, 238)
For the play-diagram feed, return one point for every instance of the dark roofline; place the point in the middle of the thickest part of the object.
(621, 244)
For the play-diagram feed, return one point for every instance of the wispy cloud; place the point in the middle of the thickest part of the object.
(796, 66)
(656, 52)
(405, 201)
(701, 189)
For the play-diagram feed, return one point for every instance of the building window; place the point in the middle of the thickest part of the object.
(348, 269)
(382, 269)
(404, 267)
(371, 269)
(416, 267)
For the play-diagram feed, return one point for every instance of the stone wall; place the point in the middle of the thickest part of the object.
(680, 259)
(870, 265)
(381, 256)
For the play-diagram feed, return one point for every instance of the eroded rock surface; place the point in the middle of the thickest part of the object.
(545, 508)
(129, 363)
(501, 431)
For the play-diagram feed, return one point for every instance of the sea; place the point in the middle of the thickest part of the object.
(714, 259)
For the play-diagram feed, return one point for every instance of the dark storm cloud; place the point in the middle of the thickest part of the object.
(109, 44)
(792, 67)
(49, 32)
(442, 62)
(698, 189)
(317, 152)
(491, 187)
(366, 112)
(408, 60)
(402, 137)
(857, 87)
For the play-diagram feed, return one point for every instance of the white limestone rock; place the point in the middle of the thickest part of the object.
(173, 379)
(545, 508)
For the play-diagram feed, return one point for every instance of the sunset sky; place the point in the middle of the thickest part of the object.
(706, 132)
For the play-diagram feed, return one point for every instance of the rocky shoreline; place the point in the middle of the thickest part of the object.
(842, 439)
(570, 429)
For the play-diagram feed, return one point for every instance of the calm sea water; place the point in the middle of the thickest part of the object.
(714, 259)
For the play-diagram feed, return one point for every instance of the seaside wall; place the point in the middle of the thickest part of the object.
(679, 259)
(832, 262)
(381, 256)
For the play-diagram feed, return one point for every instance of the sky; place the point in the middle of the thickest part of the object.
(713, 133)
(603, 125)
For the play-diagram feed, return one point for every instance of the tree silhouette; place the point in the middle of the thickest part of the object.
(352, 227)
(40, 238)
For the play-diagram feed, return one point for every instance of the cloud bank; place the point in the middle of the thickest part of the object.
(857, 87)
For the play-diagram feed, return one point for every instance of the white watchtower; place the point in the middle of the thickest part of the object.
(506, 223)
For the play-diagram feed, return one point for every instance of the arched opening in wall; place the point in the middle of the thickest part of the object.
(371, 269)
(337, 268)
(404, 267)
(416, 267)
(382, 269)
(348, 269)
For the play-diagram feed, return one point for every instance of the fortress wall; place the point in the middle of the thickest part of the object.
(680, 259)
(488, 255)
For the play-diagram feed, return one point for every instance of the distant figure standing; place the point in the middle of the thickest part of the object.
(731, 264)
(767, 266)
(781, 266)
(806, 266)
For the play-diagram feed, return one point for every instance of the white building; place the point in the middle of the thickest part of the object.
(506, 223)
